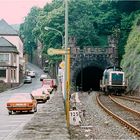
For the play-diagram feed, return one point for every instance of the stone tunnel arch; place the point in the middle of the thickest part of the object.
(93, 61)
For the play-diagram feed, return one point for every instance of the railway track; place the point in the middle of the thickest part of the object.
(134, 104)
(137, 99)
(123, 114)
(132, 99)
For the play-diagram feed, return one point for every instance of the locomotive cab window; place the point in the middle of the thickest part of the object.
(117, 78)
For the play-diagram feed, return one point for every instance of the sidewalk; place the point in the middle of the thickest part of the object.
(49, 123)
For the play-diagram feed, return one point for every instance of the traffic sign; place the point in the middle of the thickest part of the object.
(52, 51)
(62, 64)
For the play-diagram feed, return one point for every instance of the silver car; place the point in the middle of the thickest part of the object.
(27, 79)
(31, 73)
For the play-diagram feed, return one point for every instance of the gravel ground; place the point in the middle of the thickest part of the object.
(131, 104)
(97, 124)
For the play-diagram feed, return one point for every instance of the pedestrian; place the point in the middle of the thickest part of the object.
(77, 88)
(90, 90)
(55, 87)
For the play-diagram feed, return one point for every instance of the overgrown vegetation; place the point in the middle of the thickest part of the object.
(131, 59)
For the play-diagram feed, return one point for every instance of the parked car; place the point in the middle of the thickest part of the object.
(50, 84)
(43, 76)
(46, 81)
(46, 92)
(27, 79)
(46, 69)
(48, 88)
(21, 102)
(31, 73)
(41, 95)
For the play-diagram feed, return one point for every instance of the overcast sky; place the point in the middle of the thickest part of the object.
(14, 11)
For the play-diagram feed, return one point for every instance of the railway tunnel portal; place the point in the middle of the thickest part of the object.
(89, 78)
(88, 64)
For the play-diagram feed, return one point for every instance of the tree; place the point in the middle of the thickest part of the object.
(26, 30)
(90, 22)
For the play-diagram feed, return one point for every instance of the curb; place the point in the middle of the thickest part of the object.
(17, 86)
(14, 87)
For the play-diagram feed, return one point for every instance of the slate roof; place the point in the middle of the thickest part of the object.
(6, 29)
(6, 46)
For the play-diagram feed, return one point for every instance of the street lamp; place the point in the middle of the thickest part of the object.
(53, 29)
(67, 70)
(50, 28)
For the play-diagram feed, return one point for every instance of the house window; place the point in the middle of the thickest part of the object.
(11, 75)
(3, 73)
(14, 74)
(14, 58)
(4, 57)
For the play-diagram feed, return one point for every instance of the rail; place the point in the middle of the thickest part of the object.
(129, 125)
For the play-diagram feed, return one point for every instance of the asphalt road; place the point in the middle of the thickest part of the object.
(10, 125)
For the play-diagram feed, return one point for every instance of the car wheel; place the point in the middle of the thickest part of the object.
(35, 109)
(51, 91)
(44, 101)
(10, 112)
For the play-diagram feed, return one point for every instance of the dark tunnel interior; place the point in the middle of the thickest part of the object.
(88, 78)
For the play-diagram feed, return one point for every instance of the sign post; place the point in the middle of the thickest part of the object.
(52, 51)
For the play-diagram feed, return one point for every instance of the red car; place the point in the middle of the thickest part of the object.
(50, 84)
(21, 102)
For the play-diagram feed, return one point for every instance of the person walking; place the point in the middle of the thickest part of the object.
(90, 90)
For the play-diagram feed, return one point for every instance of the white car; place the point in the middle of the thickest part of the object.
(31, 73)
(48, 88)
(41, 94)
(43, 76)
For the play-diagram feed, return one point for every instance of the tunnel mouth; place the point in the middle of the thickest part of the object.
(89, 79)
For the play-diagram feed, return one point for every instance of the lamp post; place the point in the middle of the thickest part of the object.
(50, 28)
(53, 29)
(67, 67)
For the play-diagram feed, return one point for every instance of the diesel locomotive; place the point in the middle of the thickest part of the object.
(113, 81)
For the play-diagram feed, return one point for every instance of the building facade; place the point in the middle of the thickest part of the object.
(9, 62)
(12, 62)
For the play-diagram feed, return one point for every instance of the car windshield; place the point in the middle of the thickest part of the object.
(43, 75)
(31, 71)
(27, 77)
(22, 96)
(46, 82)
